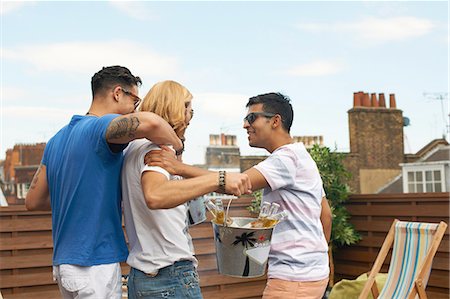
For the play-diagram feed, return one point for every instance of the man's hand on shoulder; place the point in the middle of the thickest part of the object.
(164, 158)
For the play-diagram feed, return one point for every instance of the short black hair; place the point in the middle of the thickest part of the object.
(109, 76)
(275, 103)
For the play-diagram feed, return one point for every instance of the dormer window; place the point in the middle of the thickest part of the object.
(421, 177)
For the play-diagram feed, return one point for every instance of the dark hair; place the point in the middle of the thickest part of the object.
(276, 103)
(109, 76)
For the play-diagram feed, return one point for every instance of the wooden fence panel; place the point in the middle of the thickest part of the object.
(372, 216)
(26, 257)
(26, 247)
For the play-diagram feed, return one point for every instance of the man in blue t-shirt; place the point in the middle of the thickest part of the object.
(79, 181)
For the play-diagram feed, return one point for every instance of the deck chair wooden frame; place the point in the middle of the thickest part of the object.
(423, 268)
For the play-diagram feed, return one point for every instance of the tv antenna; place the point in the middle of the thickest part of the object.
(442, 97)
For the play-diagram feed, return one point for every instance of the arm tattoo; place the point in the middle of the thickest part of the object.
(126, 126)
(35, 178)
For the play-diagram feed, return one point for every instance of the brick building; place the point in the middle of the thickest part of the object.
(21, 162)
(376, 142)
(222, 153)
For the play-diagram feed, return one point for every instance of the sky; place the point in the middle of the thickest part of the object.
(317, 53)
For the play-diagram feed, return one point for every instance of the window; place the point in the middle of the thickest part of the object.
(426, 180)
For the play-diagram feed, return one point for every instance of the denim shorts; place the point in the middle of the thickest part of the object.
(179, 280)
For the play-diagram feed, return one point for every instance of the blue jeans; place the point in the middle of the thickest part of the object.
(179, 280)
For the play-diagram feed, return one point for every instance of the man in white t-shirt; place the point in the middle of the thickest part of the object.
(298, 259)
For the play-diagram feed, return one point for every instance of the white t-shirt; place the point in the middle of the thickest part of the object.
(299, 251)
(157, 238)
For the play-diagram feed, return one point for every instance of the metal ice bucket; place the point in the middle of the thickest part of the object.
(241, 252)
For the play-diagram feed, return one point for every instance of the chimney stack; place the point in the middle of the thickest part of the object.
(392, 104)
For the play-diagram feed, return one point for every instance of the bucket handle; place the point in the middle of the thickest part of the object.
(225, 222)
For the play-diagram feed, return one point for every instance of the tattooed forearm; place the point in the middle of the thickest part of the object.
(35, 178)
(119, 128)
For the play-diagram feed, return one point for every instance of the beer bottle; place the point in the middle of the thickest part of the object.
(220, 213)
(272, 220)
(274, 208)
(211, 207)
(267, 209)
(264, 211)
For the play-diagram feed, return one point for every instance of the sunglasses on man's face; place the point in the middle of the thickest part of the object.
(251, 117)
(137, 100)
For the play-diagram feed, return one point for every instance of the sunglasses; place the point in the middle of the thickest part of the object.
(251, 117)
(186, 105)
(137, 99)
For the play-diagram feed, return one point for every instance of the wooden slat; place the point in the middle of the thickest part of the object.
(23, 280)
(211, 278)
(352, 254)
(19, 225)
(203, 230)
(400, 197)
(399, 210)
(41, 295)
(206, 263)
(244, 290)
(25, 261)
(204, 246)
(27, 242)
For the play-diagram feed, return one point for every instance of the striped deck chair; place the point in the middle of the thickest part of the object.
(415, 245)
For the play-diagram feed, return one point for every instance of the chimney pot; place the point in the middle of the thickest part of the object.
(374, 100)
(392, 104)
(366, 100)
(356, 99)
(382, 101)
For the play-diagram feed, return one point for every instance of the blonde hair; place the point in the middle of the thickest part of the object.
(167, 99)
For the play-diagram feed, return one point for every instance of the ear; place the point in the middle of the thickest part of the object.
(276, 121)
(116, 93)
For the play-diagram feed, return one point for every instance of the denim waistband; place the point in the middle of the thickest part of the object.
(171, 268)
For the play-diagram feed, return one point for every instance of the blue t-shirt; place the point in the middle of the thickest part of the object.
(83, 176)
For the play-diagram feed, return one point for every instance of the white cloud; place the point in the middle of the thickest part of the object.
(36, 113)
(225, 107)
(10, 6)
(134, 9)
(87, 58)
(316, 68)
(12, 93)
(376, 30)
